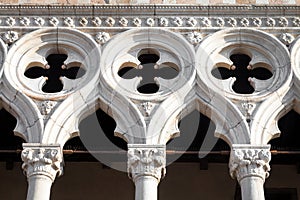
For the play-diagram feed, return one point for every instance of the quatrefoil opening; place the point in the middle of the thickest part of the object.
(53, 71)
(148, 68)
(243, 72)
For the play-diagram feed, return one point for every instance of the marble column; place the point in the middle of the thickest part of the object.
(42, 163)
(146, 167)
(250, 166)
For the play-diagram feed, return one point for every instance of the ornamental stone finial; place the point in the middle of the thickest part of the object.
(247, 160)
(146, 160)
(42, 160)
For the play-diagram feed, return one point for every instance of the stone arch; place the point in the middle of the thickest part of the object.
(26, 95)
(277, 106)
(268, 95)
(173, 48)
(217, 109)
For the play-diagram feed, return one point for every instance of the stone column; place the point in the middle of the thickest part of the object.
(250, 166)
(146, 167)
(42, 163)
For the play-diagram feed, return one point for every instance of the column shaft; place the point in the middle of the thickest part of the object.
(146, 188)
(39, 187)
(252, 188)
(250, 166)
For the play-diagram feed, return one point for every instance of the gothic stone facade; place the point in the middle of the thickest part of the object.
(198, 42)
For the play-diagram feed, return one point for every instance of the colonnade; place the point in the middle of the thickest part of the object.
(146, 167)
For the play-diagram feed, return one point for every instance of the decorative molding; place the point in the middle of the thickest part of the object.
(248, 161)
(40, 159)
(180, 21)
(146, 160)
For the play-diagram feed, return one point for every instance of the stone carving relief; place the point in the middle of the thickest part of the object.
(96, 21)
(46, 160)
(286, 38)
(146, 160)
(110, 21)
(123, 21)
(25, 21)
(270, 22)
(53, 21)
(150, 22)
(137, 22)
(245, 22)
(194, 37)
(10, 37)
(68, 21)
(46, 107)
(191, 22)
(147, 107)
(296, 21)
(249, 161)
(102, 37)
(39, 21)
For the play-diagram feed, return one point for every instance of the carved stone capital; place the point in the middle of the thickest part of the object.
(42, 160)
(146, 160)
(249, 161)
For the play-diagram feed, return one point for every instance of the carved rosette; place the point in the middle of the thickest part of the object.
(146, 160)
(249, 161)
(42, 160)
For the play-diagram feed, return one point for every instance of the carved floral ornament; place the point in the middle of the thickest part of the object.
(162, 21)
(247, 161)
(146, 160)
(42, 160)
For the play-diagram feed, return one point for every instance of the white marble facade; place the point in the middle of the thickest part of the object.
(193, 40)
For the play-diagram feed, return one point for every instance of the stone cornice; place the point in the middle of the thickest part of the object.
(119, 17)
(155, 9)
